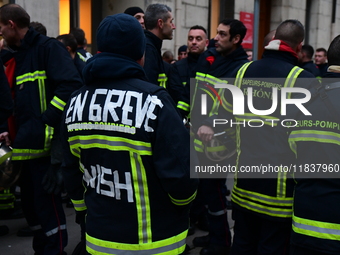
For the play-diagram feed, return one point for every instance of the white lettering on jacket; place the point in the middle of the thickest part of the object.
(107, 183)
(135, 111)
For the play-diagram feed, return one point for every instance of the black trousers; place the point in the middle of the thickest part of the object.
(255, 235)
(44, 212)
(214, 196)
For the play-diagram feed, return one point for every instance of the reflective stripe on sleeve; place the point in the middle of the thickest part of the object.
(184, 106)
(58, 103)
(79, 205)
(183, 201)
(162, 79)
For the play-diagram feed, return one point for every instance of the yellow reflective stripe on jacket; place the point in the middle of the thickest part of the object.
(318, 229)
(81, 56)
(79, 205)
(162, 78)
(198, 145)
(240, 74)
(183, 105)
(291, 78)
(49, 131)
(7, 206)
(110, 143)
(209, 79)
(200, 76)
(58, 103)
(7, 194)
(281, 183)
(25, 154)
(142, 198)
(183, 201)
(42, 95)
(7, 199)
(30, 77)
(267, 120)
(263, 204)
(312, 136)
(169, 246)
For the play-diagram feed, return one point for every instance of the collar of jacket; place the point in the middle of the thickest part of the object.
(279, 45)
(154, 39)
(323, 65)
(222, 66)
(333, 69)
(307, 63)
(106, 65)
(29, 39)
(193, 57)
(281, 55)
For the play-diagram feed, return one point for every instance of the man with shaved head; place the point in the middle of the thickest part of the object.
(262, 204)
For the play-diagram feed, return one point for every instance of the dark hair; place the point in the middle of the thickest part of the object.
(68, 40)
(290, 31)
(308, 50)
(268, 37)
(79, 34)
(322, 49)
(153, 13)
(15, 13)
(236, 28)
(198, 27)
(334, 52)
(133, 10)
(167, 55)
(39, 27)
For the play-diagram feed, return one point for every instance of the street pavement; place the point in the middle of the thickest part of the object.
(11, 244)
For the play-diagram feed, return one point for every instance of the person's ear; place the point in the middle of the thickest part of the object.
(236, 39)
(160, 23)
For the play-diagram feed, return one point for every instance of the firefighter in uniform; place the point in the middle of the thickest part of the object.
(179, 89)
(315, 142)
(126, 151)
(262, 207)
(184, 69)
(216, 66)
(159, 26)
(42, 77)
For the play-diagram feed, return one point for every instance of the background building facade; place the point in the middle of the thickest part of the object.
(320, 17)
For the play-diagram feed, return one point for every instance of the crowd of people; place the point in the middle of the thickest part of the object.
(122, 132)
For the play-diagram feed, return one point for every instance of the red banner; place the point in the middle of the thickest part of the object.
(247, 19)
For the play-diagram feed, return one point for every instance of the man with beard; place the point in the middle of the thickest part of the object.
(216, 65)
